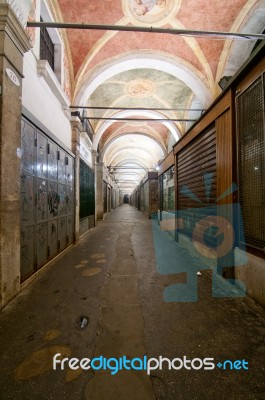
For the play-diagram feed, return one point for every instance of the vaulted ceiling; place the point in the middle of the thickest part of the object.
(170, 77)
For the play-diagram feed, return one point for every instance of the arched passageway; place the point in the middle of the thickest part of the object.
(132, 227)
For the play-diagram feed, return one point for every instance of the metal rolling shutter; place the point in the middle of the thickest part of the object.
(105, 189)
(195, 162)
(142, 198)
(146, 196)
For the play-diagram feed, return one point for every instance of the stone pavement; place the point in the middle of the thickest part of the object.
(104, 296)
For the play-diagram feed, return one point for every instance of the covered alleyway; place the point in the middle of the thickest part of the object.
(132, 199)
(104, 296)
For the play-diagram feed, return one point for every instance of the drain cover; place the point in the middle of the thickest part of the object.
(82, 322)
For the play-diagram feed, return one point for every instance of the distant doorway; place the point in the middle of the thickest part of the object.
(126, 199)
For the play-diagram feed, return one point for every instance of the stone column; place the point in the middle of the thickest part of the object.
(13, 44)
(99, 191)
(76, 135)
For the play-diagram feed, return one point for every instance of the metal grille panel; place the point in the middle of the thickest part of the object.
(251, 162)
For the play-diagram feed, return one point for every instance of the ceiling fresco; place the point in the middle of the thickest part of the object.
(139, 88)
(170, 77)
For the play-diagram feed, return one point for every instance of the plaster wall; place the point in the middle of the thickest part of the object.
(39, 99)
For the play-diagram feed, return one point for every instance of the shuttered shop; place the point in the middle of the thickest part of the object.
(196, 179)
(142, 198)
(105, 189)
(146, 196)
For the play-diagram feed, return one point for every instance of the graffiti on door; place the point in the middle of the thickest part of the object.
(53, 202)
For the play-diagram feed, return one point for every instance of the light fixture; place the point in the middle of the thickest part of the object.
(223, 83)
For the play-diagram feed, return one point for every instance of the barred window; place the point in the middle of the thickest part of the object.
(87, 126)
(46, 47)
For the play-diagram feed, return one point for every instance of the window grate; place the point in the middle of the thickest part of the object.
(251, 162)
(46, 47)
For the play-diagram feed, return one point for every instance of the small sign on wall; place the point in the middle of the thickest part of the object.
(85, 152)
(12, 76)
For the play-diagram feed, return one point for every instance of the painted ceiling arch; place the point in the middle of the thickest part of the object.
(177, 67)
(129, 172)
(172, 77)
(236, 52)
(134, 142)
(154, 130)
(111, 140)
(121, 154)
(99, 132)
(131, 162)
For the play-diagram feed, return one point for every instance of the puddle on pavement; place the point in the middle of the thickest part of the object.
(50, 335)
(84, 261)
(91, 271)
(96, 256)
(80, 266)
(39, 361)
(100, 261)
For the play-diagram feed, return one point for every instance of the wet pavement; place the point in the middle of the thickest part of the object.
(104, 297)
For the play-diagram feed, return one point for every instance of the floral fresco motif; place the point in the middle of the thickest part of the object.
(140, 88)
(150, 10)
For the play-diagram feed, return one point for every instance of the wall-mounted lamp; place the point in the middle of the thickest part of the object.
(75, 114)
(223, 83)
